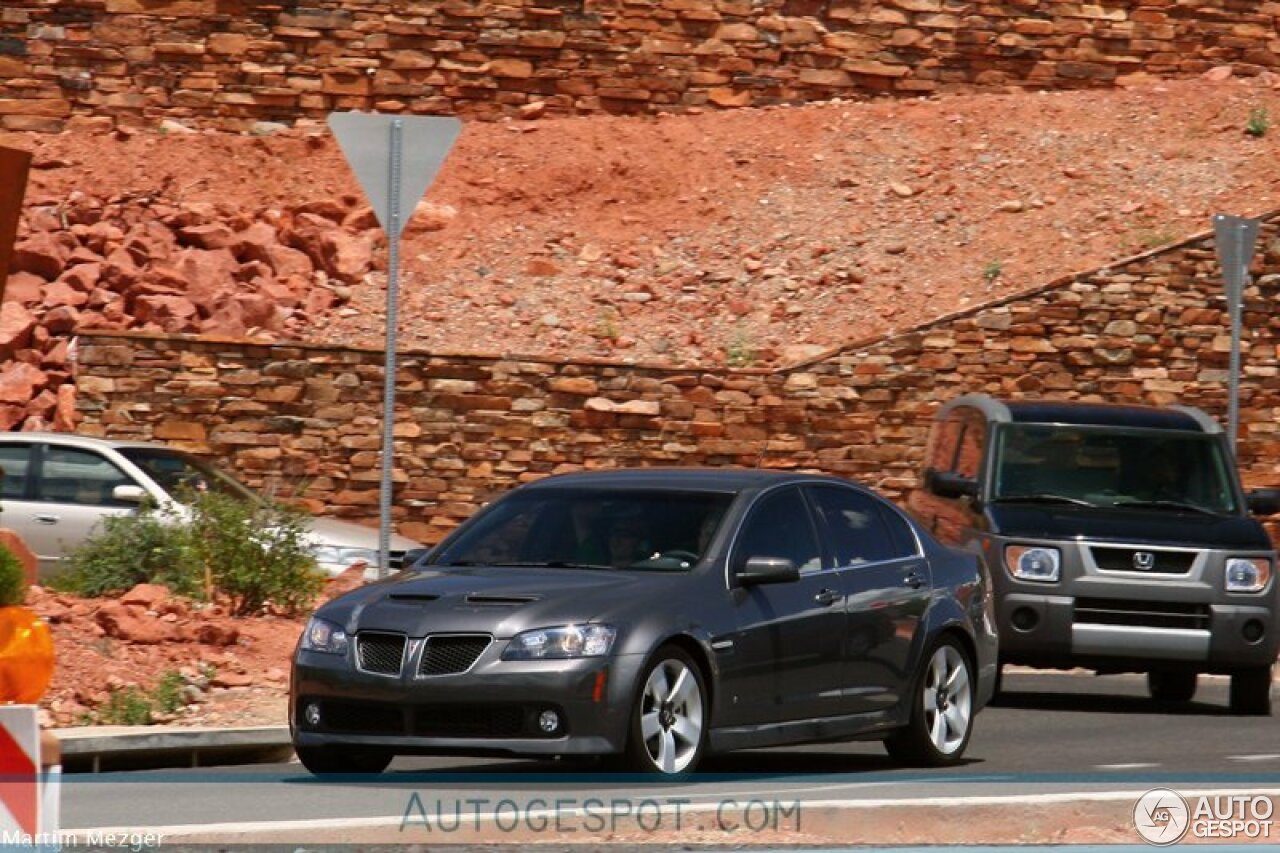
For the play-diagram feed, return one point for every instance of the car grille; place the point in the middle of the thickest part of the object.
(381, 654)
(449, 655)
(482, 722)
(1124, 560)
(1144, 614)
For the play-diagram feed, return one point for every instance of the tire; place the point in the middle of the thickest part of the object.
(668, 730)
(1251, 692)
(1166, 686)
(941, 721)
(331, 760)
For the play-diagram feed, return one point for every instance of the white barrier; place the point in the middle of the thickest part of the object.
(29, 787)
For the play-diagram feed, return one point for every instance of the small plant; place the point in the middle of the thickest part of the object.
(607, 327)
(125, 707)
(992, 271)
(167, 694)
(740, 352)
(1259, 122)
(13, 579)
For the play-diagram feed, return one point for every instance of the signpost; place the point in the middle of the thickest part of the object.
(1235, 238)
(14, 165)
(395, 158)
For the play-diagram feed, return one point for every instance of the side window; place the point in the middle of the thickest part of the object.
(74, 476)
(973, 442)
(780, 526)
(855, 526)
(15, 465)
(900, 534)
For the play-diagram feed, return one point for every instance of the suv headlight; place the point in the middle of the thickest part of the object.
(567, 641)
(1033, 563)
(321, 635)
(1247, 574)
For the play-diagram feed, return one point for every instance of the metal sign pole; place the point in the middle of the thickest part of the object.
(1235, 238)
(393, 324)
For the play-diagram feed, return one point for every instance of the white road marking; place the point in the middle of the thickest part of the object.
(1136, 765)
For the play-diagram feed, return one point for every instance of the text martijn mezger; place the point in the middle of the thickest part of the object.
(133, 841)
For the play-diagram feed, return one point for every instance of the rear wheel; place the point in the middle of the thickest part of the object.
(1251, 691)
(941, 710)
(1171, 686)
(669, 720)
(330, 760)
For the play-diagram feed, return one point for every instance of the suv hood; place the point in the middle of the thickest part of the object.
(1111, 524)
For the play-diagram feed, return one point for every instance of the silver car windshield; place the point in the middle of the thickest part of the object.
(184, 476)
(1156, 469)
(597, 529)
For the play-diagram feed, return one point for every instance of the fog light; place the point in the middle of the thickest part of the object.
(1024, 618)
(549, 722)
(1252, 631)
(312, 713)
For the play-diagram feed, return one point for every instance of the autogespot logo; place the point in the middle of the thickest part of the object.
(1161, 817)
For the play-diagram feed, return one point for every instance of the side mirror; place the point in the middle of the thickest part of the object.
(761, 570)
(949, 484)
(1263, 501)
(132, 494)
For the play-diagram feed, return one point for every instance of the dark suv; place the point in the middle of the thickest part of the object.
(1118, 539)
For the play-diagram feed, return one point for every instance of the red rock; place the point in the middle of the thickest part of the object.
(61, 320)
(231, 679)
(146, 595)
(216, 634)
(64, 415)
(169, 313)
(24, 288)
(131, 625)
(19, 382)
(215, 235)
(82, 277)
(62, 293)
(43, 253)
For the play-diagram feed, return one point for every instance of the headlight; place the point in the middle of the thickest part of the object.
(1247, 574)
(334, 560)
(321, 635)
(568, 641)
(1033, 563)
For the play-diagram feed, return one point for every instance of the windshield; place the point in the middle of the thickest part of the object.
(183, 476)
(590, 528)
(1113, 467)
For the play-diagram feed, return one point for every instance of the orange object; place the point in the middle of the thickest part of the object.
(26, 656)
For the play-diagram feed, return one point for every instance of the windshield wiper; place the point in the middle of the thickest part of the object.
(545, 564)
(1042, 498)
(1165, 504)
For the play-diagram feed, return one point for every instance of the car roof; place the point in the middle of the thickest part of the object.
(692, 478)
(1080, 413)
(70, 439)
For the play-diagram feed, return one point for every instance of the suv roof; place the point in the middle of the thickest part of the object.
(70, 439)
(1182, 418)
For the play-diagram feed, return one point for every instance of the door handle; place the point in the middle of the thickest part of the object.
(47, 519)
(914, 580)
(826, 596)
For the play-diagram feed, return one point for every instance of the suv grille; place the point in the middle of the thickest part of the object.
(381, 654)
(1128, 560)
(449, 655)
(1143, 614)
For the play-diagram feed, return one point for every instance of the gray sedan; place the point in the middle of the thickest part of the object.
(651, 616)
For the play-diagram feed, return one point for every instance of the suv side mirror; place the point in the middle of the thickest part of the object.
(760, 570)
(130, 493)
(949, 484)
(1263, 501)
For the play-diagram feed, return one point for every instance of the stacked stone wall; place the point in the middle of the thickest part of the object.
(235, 63)
(301, 419)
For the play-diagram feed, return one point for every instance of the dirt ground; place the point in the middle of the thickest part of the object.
(756, 237)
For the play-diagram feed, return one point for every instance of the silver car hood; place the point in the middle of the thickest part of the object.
(346, 534)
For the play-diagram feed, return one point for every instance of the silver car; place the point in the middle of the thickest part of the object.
(55, 489)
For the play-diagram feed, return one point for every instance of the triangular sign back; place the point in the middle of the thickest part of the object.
(365, 139)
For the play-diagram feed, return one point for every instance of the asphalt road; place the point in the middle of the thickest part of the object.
(1051, 736)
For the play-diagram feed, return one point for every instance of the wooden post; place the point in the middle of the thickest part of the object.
(14, 166)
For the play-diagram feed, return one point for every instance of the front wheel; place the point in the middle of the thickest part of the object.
(1171, 686)
(330, 760)
(941, 710)
(1251, 692)
(669, 720)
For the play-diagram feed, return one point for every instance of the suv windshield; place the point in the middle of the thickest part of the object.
(1106, 466)
(183, 476)
(590, 528)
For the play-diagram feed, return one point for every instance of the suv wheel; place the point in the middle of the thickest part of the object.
(326, 760)
(1251, 691)
(1171, 686)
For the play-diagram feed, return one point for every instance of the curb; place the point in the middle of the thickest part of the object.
(94, 749)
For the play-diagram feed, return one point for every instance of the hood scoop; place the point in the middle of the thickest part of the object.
(412, 597)
(486, 600)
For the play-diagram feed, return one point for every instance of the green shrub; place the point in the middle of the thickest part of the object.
(13, 579)
(167, 694)
(125, 707)
(250, 553)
